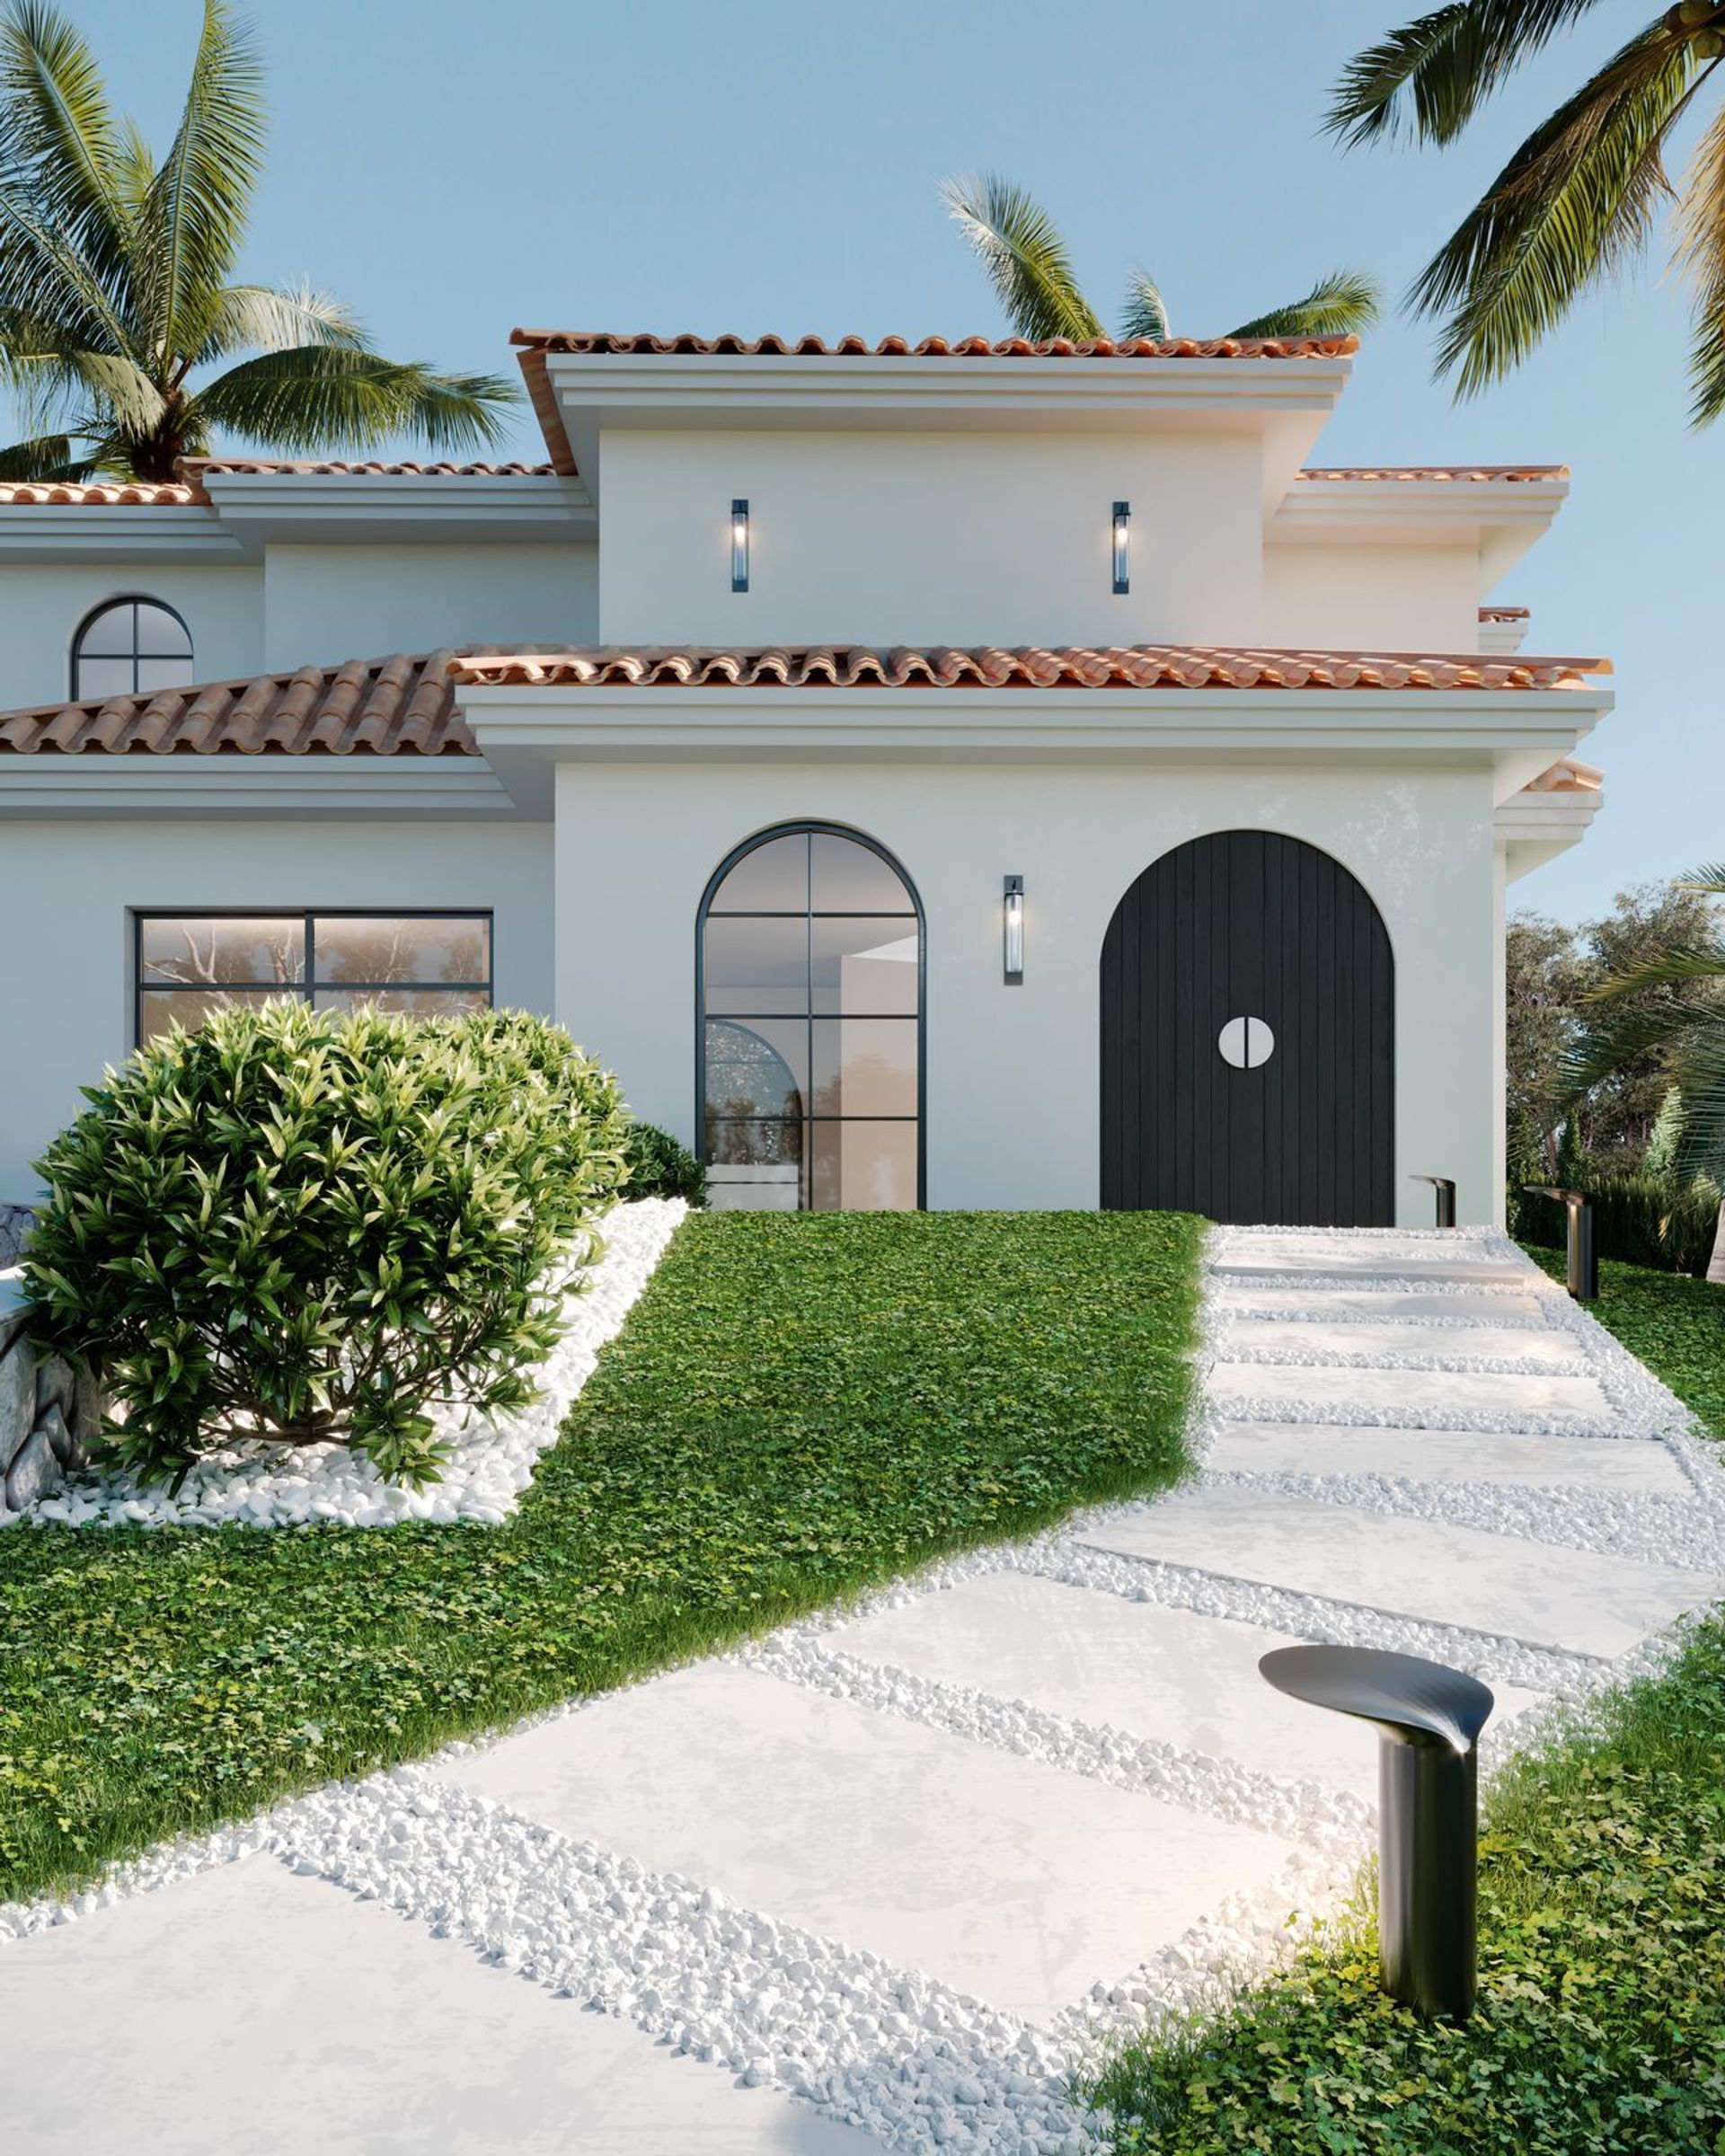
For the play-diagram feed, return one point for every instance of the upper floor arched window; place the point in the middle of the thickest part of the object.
(130, 647)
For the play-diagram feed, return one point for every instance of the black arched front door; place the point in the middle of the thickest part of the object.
(1249, 1039)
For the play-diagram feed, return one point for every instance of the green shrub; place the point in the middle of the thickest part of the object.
(299, 1225)
(1638, 1219)
(662, 1166)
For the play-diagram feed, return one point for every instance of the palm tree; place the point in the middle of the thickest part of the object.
(1685, 1027)
(1021, 248)
(114, 282)
(1579, 199)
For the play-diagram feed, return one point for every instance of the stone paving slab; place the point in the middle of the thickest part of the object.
(1341, 1263)
(1408, 1394)
(1190, 1680)
(1012, 1881)
(1549, 1596)
(1505, 1343)
(1236, 1299)
(1320, 1448)
(249, 2011)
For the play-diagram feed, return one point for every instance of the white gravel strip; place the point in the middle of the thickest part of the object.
(492, 1461)
(1396, 1358)
(1221, 1788)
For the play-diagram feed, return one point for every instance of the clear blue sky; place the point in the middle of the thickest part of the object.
(760, 165)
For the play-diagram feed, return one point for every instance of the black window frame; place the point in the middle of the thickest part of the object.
(305, 989)
(812, 828)
(130, 598)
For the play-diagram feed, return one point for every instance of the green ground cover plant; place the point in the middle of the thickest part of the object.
(1675, 1324)
(800, 1406)
(1601, 2022)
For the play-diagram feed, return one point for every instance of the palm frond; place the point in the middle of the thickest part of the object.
(1340, 305)
(43, 275)
(1676, 964)
(1574, 202)
(195, 212)
(1709, 879)
(51, 380)
(1701, 258)
(1428, 79)
(1700, 1134)
(1144, 312)
(316, 398)
(1020, 246)
(44, 457)
(266, 318)
(55, 116)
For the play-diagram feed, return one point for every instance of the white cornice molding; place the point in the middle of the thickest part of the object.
(95, 784)
(402, 507)
(175, 532)
(1407, 511)
(525, 732)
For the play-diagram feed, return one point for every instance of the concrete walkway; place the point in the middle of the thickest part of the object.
(880, 1882)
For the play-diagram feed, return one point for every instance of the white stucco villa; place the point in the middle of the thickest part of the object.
(969, 776)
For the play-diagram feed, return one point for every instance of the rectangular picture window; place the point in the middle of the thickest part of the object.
(188, 965)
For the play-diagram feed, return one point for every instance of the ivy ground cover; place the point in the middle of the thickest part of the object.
(1601, 2021)
(799, 1407)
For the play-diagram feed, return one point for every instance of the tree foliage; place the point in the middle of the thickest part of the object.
(116, 283)
(1579, 199)
(1030, 268)
(305, 1226)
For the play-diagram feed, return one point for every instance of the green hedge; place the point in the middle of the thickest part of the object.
(661, 1166)
(1638, 1219)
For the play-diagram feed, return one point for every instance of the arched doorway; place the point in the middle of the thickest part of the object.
(809, 988)
(1248, 1036)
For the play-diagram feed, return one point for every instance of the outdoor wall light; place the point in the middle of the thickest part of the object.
(1012, 921)
(1122, 547)
(739, 545)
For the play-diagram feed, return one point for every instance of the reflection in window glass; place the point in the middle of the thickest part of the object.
(811, 1028)
(430, 965)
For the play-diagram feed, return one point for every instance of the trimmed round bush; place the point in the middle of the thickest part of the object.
(661, 1166)
(299, 1225)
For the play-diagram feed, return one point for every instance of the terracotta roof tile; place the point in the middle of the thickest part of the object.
(1484, 473)
(406, 705)
(196, 468)
(602, 341)
(1140, 666)
(367, 707)
(99, 493)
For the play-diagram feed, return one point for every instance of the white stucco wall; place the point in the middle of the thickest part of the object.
(42, 605)
(326, 603)
(1382, 599)
(929, 539)
(1013, 1073)
(66, 974)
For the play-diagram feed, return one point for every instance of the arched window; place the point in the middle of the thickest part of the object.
(130, 647)
(810, 1041)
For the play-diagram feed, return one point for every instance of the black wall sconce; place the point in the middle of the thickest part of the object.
(1122, 547)
(1013, 931)
(739, 545)
(1429, 1717)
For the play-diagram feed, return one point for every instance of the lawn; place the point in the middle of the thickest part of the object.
(799, 1407)
(1601, 2023)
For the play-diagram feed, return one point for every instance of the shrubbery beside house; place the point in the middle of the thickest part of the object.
(662, 1166)
(302, 1225)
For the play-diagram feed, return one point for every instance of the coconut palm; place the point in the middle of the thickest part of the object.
(1685, 1027)
(1579, 200)
(1021, 248)
(115, 287)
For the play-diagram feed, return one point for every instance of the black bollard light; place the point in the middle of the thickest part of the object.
(1429, 1718)
(1445, 1188)
(1583, 1253)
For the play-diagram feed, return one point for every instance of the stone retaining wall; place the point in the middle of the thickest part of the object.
(47, 1412)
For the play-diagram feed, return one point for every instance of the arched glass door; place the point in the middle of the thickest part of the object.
(809, 981)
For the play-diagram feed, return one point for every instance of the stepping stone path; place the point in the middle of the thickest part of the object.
(882, 1880)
